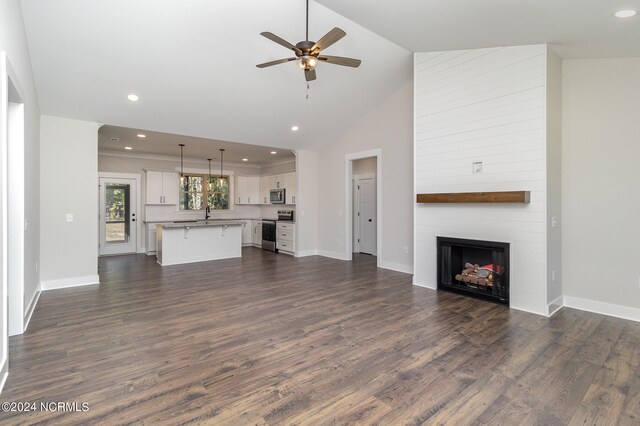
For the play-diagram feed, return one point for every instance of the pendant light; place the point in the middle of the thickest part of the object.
(183, 181)
(209, 179)
(222, 180)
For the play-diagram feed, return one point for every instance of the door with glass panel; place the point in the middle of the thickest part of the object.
(118, 216)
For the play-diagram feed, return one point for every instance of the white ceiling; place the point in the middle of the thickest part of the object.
(576, 28)
(166, 144)
(192, 62)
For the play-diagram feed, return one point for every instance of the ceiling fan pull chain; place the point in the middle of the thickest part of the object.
(307, 91)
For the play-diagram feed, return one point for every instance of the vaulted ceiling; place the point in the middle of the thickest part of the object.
(575, 28)
(192, 62)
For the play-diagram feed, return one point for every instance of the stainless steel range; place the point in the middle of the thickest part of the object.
(269, 229)
(269, 235)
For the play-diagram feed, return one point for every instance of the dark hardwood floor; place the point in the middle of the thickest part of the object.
(270, 339)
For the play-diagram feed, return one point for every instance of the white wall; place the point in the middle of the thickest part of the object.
(307, 203)
(483, 105)
(600, 178)
(14, 43)
(365, 166)
(388, 127)
(554, 180)
(69, 251)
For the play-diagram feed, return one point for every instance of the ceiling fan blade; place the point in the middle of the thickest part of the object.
(339, 60)
(328, 39)
(281, 41)
(310, 75)
(279, 61)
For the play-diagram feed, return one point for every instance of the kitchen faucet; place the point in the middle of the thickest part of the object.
(206, 213)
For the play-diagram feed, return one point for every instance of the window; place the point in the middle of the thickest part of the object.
(193, 192)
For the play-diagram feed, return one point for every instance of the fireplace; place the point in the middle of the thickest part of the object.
(474, 268)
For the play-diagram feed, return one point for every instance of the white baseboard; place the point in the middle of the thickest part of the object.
(70, 282)
(603, 308)
(31, 307)
(4, 373)
(407, 269)
(555, 306)
(425, 285)
(305, 253)
(332, 254)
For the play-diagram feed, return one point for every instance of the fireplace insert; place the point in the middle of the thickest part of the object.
(475, 268)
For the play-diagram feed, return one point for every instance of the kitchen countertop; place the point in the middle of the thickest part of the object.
(218, 222)
(192, 222)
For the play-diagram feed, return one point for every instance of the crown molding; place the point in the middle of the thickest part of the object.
(172, 158)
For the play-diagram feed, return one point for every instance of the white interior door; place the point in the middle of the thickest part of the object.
(118, 216)
(367, 218)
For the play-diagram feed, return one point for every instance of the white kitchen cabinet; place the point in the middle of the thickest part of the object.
(277, 182)
(247, 233)
(162, 187)
(151, 238)
(257, 233)
(248, 190)
(291, 186)
(286, 237)
(264, 190)
(241, 190)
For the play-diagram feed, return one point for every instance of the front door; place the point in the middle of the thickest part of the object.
(118, 230)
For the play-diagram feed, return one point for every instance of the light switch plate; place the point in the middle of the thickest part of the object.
(69, 217)
(477, 167)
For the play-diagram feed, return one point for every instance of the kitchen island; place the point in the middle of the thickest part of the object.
(179, 243)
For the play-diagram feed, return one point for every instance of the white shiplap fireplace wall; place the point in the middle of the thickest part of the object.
(488, 105)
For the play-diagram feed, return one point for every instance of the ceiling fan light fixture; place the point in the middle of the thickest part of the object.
(308, 62)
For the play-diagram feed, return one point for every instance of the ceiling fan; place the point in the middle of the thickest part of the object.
(308, 52)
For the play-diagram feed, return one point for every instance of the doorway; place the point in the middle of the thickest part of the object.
(364, 211)
(363, 191)
(118, 216)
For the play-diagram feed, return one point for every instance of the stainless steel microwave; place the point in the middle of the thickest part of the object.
(277, 196)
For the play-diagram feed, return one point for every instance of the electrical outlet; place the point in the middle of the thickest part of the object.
(553, 275)
(405, 250)
(69, 217)
(554, 221)
(37, 266)
(476, 167)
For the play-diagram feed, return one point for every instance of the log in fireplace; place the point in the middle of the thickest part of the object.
(475, 268)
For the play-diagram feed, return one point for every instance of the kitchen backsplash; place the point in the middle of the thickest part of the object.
(169, 213)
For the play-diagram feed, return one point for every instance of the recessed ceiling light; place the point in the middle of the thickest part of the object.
(245, 159)
(128, 148)
(294, 128)
(273, 152)
(133, 98)
(625, 13)
(141, 135)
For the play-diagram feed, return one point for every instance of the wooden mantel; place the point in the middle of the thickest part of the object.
(475, 197)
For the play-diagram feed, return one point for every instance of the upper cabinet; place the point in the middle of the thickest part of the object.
(248, 190)
(255, 189)
(162, 187)
(291, 185)
(264, 190)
